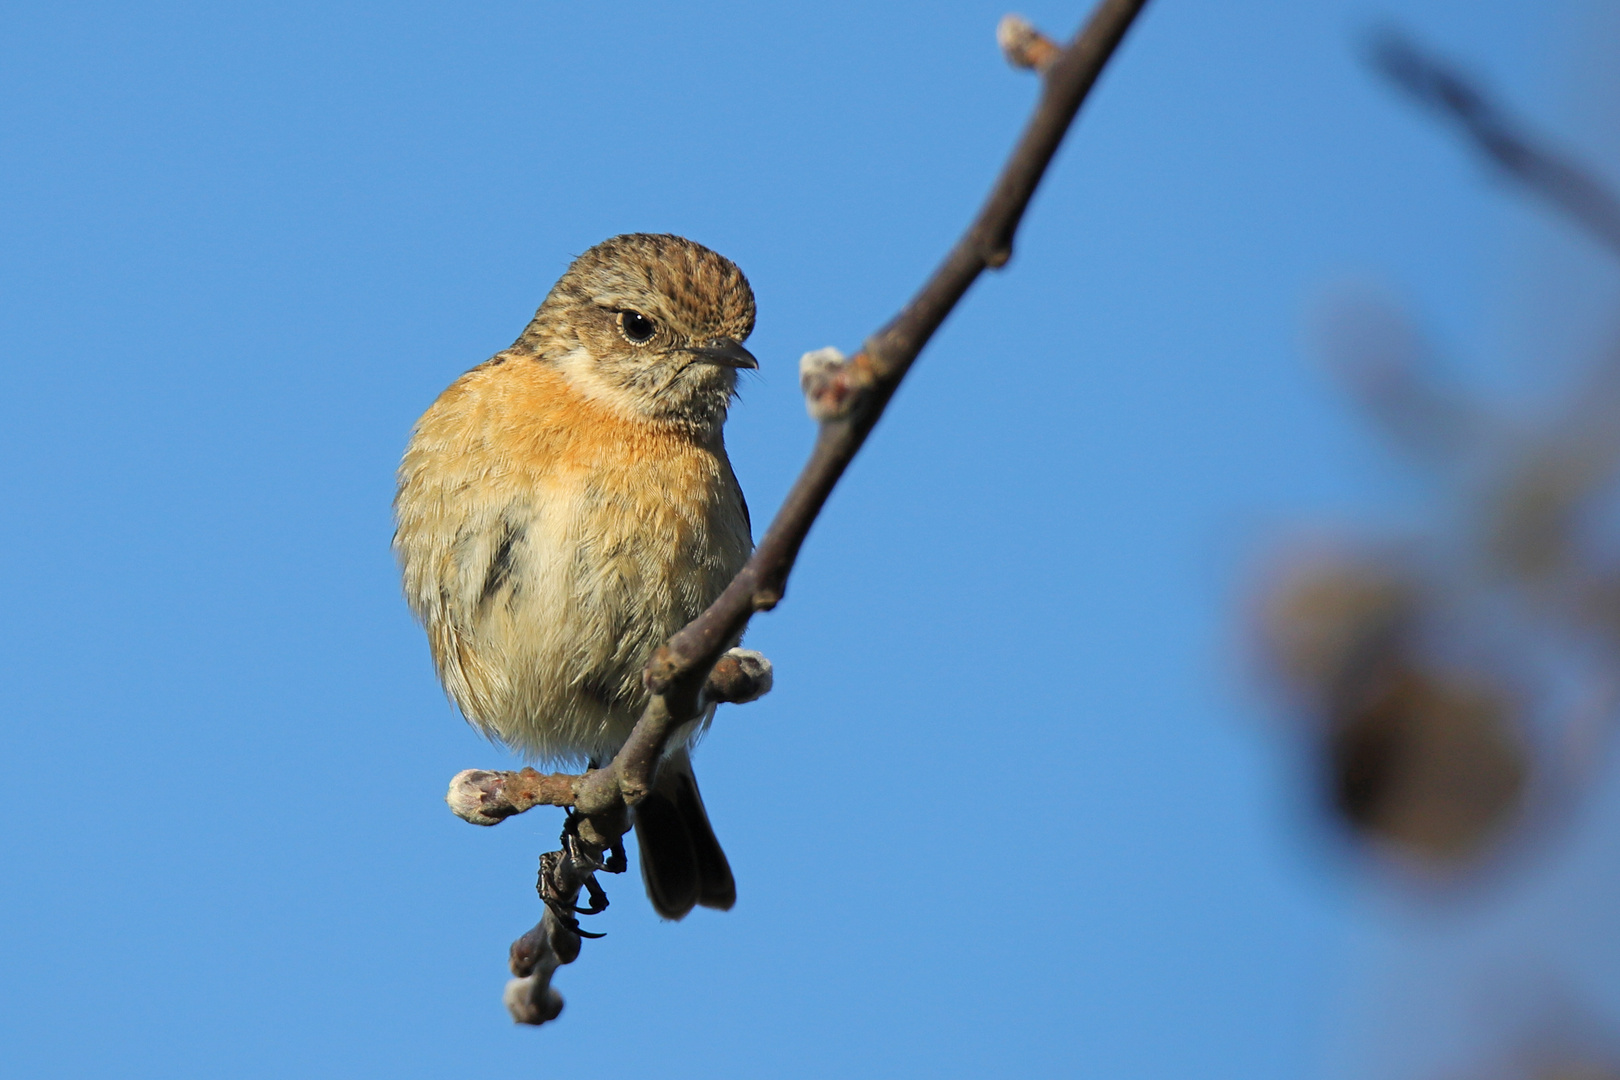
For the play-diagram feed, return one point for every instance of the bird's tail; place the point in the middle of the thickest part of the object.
(681, 861)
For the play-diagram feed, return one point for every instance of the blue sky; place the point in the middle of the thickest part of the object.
(1015, 807)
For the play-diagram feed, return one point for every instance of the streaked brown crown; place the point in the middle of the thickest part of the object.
(696, 292)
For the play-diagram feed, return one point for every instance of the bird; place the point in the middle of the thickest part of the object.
(567, 505)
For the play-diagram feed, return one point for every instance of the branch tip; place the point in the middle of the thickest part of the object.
(485, 797)
(741, 676)
(474, 796)
(532, 1001)
(1025, 47)
(831, 383)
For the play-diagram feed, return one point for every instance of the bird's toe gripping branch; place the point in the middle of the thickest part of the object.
(599, 804)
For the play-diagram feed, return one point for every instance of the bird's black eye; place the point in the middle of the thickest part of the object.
(636, 327)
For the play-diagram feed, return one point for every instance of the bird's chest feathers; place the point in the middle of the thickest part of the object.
(649, 537)
(629, 530)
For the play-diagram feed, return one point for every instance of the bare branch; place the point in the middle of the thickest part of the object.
(1525, 157)
(489, 798)
(867, 380)
(530, 997)
(535, 957)
(847, 397)
(486, 797)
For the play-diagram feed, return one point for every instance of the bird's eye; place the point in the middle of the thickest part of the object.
(636, 327)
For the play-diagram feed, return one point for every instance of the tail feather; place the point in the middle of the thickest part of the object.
(682, 863)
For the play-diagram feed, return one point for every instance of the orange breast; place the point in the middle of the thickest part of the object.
(611, 531)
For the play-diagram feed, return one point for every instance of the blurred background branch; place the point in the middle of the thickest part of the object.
(1521, 154)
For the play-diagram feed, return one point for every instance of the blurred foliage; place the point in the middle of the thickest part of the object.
(1455, 681)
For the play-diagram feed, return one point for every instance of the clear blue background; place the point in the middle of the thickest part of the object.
(1015, 806)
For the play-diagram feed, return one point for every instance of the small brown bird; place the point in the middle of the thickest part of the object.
(567, 505)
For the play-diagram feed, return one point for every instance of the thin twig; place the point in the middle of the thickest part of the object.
(678, 668)
(1525, 157)
(487, 797)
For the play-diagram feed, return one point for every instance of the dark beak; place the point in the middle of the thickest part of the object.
(726, 352)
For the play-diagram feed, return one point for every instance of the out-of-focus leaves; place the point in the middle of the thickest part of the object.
(1419, 677)
(1417, 754)
(1432, 763)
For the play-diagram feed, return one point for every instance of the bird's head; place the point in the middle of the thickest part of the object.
(650, 324)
